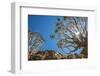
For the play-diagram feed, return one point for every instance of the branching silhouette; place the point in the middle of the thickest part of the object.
(71, 33)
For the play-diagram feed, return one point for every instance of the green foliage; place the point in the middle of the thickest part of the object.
(52, 36)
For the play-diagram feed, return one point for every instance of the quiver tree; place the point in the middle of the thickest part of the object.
(35, 41)
(71, 33)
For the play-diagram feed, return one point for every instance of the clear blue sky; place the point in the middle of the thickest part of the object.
(45, 26)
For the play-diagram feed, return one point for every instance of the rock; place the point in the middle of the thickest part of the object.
(44, 55)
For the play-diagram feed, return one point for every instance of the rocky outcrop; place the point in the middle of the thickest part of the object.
(51, 55)
(44, 55)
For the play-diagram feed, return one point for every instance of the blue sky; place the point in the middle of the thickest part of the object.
(45, 25)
